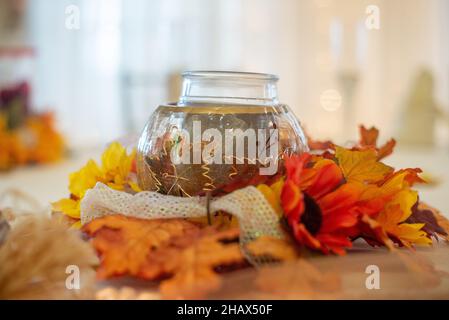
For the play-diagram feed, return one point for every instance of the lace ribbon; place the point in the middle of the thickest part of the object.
(255, 215)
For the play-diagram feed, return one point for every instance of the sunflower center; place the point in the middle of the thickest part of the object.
(312, 216)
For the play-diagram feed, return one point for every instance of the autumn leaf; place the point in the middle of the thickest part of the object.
(368, 139)
(386, 149)
(299, 278)
(406, 234)
(444, 223)
(317, 145)
(124, 243)
(273, 249)
(391, 226)
(190, 258)
(434, 223)
(195, 267)
(407, 177)
(361, 166)
(373, 233)
(245, 178)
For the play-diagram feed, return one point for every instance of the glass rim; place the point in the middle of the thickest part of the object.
(229, 75)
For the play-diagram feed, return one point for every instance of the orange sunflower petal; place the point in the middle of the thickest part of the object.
(290, 196)
(344, 219)
(295, 165)
(304, 237)
(334, 243)
(327, 178)
(344, 197)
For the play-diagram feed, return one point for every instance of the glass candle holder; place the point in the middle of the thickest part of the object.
(226, 127)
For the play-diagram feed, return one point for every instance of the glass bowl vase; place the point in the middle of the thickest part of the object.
(227, 127)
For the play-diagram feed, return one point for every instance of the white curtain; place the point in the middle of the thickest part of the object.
(77, 70)
(105, 78)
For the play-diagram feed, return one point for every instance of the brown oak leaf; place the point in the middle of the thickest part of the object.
(124, 243)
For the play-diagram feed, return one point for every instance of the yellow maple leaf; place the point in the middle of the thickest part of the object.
(393, 217)
(407, 233)
(361, 166)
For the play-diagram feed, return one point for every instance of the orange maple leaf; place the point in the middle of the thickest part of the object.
(190, 257)
(272, 248)
(368, 140)
(195, 266)
(386, 149)
(374, 233)
(368, 137)
(124, 243)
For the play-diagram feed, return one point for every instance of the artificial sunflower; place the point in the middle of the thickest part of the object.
(317, 205)
(117, 170)
(329, 201)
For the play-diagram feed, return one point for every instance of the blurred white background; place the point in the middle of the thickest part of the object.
(104, 78)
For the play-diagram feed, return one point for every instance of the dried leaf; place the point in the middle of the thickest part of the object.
(368, 137)
(273, 249)
(373, 233)
(246, 179)
(361, 166)
(386, 149)
(176, 248)
(298, 279)
(411, 175)
(443, 222)
(124, 243)
(435, 223)
(4, 228)
(368, 140)
(195, 267)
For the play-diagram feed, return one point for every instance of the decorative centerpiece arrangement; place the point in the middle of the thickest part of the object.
(25, 137)
(224, 180)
